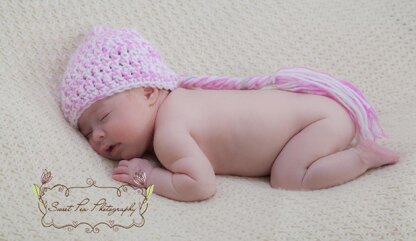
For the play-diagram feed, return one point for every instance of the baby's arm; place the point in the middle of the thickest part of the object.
(189, 175)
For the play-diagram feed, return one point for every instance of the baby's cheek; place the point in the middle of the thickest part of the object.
(93, 147)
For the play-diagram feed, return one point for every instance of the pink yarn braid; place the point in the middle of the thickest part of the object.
(302, 80)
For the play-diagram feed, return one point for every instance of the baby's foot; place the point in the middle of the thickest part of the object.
(375, 155)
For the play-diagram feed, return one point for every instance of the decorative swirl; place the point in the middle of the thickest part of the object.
(90, 182)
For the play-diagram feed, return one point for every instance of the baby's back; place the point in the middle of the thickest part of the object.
(242, 132)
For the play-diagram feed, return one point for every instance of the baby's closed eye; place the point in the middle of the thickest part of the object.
(105, 116)
(88, 135)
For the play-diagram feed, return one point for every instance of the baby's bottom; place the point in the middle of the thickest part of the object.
(317, 157)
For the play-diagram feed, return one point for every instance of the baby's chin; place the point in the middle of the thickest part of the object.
(114, 158)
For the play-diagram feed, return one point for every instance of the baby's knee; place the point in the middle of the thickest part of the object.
(298, 185)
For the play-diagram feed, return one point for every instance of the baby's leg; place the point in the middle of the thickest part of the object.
(347, 165)
(315, 157)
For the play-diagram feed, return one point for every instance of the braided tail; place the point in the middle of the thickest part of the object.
(302, 80)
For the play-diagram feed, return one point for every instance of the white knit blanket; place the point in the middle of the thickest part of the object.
(371, 43)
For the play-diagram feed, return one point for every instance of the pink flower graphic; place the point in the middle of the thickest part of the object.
(140, 178)
(46, 177)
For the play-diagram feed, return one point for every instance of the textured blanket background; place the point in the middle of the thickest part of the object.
(369, 43)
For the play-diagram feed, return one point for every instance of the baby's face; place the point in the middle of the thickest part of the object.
(120, 126)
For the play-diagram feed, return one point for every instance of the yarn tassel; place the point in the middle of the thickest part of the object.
(303, 80)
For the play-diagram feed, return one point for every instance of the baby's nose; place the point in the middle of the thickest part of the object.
(98, 136)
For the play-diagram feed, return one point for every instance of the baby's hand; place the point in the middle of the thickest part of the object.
(127, 169)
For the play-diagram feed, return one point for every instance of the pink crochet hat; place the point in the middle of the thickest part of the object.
(110, 61)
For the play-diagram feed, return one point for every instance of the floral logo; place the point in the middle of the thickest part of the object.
(67, 207)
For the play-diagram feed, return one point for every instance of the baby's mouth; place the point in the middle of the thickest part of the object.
(111, 148)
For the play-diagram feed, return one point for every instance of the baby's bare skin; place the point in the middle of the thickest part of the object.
(300, 140)
(242, 132)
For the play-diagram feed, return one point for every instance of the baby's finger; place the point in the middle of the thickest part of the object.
(123, 163)
(121, 169)
(122, 177)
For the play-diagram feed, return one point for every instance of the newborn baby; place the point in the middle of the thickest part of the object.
(122, 97)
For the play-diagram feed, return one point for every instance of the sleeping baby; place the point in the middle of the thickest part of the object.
(296, 125)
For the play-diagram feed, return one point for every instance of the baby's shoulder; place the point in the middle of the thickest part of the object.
(171, 114)
(170, 136)
(171, 124)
